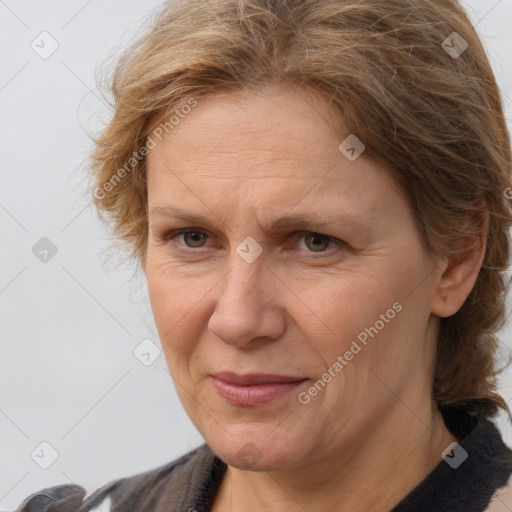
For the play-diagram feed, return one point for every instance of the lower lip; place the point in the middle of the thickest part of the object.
(253, 395)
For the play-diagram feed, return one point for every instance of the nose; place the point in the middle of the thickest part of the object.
(248, 307)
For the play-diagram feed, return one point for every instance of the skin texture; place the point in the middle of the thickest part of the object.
(243, 160)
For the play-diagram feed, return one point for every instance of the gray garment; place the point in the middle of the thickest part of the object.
(189, 483)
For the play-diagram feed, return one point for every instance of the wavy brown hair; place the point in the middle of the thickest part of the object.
(434, 119)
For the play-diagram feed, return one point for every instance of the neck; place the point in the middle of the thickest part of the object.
(355, 478)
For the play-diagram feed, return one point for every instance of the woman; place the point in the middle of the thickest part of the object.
(316, 191)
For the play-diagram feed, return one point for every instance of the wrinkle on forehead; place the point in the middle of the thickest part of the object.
(267, 155)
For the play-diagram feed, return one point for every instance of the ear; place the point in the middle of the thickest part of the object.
(460, 269)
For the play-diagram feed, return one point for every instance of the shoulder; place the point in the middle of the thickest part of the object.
(502, 499)
(69, 497)
(500, 472)
(485, 476)
(139, 492)
(474, 476)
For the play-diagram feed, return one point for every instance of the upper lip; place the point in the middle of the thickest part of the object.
(249, 379)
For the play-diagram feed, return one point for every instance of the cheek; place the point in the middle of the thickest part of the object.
(170, 294)
(360, 327)
(175, 307)
(368, 315)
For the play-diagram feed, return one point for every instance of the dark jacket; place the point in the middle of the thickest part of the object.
(189, 483)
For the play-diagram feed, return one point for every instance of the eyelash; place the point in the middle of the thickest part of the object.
(175, 233)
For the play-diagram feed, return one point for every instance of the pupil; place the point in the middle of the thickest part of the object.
(316, 239)
(196, 237)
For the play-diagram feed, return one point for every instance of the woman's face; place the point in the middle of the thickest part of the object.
(302, 261)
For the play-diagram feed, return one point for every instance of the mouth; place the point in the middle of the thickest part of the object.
(253, 389)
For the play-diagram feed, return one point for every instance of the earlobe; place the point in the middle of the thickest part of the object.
(460, 270)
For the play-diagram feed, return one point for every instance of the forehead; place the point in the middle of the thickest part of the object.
(274, 122)
(278, 141)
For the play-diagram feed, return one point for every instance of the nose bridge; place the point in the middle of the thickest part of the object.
(243, 311)
(247, 265)
(242, 283)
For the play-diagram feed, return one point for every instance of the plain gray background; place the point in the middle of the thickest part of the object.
(69, 326)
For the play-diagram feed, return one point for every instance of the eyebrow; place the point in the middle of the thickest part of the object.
(311, 219)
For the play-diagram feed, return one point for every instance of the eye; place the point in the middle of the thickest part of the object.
(192, 238)
(316, 242)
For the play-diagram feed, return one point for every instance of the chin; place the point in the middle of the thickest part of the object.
(250, 451)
